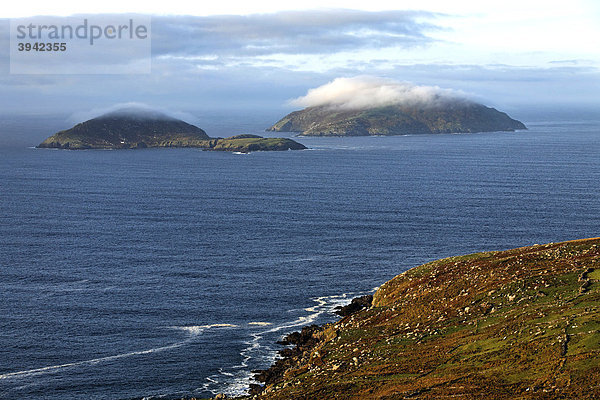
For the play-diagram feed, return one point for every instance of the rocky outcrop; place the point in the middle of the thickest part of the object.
(355, 305)
(250, 143)
(303, 342)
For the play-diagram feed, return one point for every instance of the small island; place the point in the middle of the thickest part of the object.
(247, 143)
(138, 129)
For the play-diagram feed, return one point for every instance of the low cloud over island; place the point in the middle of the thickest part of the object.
(369, 92)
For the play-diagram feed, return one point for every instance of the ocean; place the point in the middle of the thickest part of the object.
(173, 272)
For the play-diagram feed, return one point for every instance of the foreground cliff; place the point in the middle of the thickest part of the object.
(134, 129)
(515, 324)
(457, 116)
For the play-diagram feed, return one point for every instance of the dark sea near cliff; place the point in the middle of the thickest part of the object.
(172, 272)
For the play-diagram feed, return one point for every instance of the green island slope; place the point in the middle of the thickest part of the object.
(247, 143)
(515, 324)
(127, 129)
(456, 116)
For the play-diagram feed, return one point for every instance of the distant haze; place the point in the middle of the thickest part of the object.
(369, 92)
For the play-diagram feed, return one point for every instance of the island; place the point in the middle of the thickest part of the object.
(247, 143)
(512, 324)
(450, 116)
(137, 129)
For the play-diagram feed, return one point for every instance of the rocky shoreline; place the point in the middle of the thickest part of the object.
(511, 324)
(519, 323)
(303, 342)
(300, 345)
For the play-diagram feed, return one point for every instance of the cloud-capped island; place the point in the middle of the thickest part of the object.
(134, 128)
(364, 106)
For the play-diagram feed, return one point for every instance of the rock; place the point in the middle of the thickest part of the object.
(244, 136)
(255, 389)
(303, 341)
(355, 305)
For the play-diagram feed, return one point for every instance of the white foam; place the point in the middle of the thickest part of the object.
(221, 326)
(55, 368)
(192, 331)
(234, 380)
(198, 329)
(221, 371)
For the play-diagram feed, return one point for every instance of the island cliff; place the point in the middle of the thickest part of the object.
(514, 324)
(134, 129)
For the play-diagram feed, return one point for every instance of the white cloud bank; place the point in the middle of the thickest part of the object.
(369, 92)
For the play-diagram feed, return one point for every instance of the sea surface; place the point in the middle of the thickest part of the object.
(172, 272)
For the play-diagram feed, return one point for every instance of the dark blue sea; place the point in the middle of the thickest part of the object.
(172, 272)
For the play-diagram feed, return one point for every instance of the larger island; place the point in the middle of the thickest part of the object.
(366, 106)
(135, 129)
(459, 116)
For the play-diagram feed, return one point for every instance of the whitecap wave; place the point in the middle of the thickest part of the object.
(55, 368)
(192, 331)
(198, 329)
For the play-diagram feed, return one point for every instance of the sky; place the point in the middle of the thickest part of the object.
(250, 56)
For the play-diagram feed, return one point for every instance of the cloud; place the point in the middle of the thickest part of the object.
(192, 43)
(290, 32)
(131, 108)
(368, 92)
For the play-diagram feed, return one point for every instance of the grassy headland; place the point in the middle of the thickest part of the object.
(514, 324)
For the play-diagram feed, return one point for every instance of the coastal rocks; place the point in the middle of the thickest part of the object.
(303, 338)
(255, 389)
(355, 305)
(585, 281)
(303, 342)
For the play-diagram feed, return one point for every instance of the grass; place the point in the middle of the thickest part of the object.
(497, 325)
